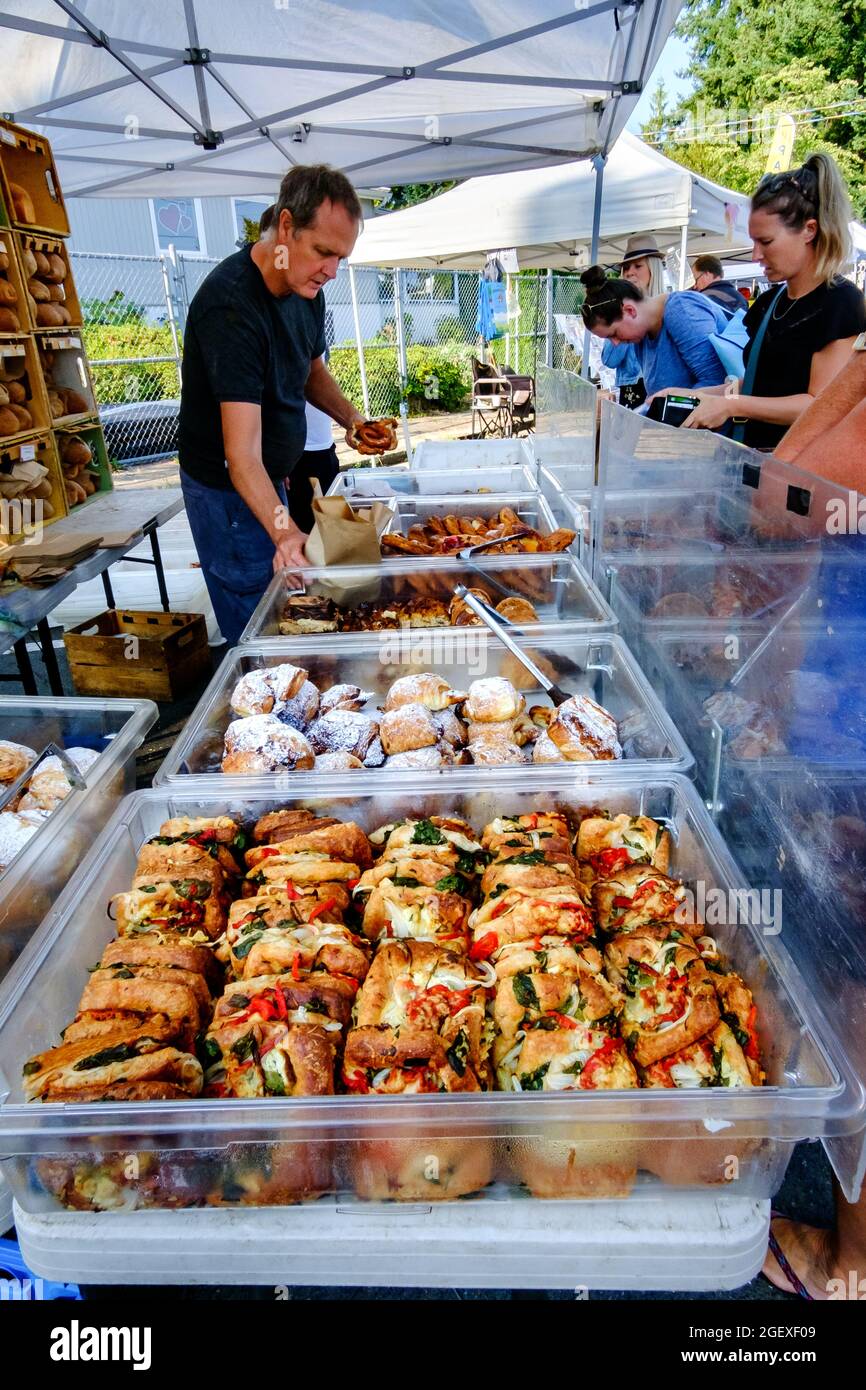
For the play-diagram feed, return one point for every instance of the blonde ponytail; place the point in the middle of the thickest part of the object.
(815, 190)
(833, 239)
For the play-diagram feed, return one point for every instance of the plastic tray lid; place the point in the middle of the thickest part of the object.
(804, 827)
(386, 482)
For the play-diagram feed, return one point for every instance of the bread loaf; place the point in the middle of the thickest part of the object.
(7, 293)
(22, 204)
(8, 421)
(4, 259)
(28, 260)
(9, 321)
(76, 404)
(43, 265)
(50, 315)
(25, 419)
(5, 397)
(16, 392)
(63, 313)
(41, 490)
(88, 482)
(76, 454)
(56, 268)
(56, 405)
(56, 293)
(39, 291)
(74, 492)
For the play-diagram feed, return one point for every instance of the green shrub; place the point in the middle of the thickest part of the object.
(127, 380)
(439, 378)
(450, 329)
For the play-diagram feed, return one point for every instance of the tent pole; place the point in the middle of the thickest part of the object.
(508, 335)
(402, 361)
(598, 165)
(684, 251)
(359, 342)
(548, 319)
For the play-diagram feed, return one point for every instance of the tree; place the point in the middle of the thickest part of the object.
(408, 194)
(655, 128)
(751, 62)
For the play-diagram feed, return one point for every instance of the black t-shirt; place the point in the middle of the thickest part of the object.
(797, 330)
(242, 343)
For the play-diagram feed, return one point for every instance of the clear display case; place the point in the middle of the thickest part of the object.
(114, 729)
(599, 666)
(625, 1143)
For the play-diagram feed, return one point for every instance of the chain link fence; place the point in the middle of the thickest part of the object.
(135, 309)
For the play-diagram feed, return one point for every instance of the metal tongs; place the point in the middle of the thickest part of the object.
(492, 621)
(467, 555)
(73, 776)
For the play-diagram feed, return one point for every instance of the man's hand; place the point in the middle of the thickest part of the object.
(289, 549)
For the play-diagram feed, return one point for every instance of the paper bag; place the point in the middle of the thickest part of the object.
(341, 536)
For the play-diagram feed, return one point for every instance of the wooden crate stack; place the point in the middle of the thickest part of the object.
(52, 449)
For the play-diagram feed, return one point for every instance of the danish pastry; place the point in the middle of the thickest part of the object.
(584, 732)
(407, 728)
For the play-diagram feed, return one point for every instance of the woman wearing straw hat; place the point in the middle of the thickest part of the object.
(643, 265)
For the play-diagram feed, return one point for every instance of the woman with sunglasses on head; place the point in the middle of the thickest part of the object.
(670, 333)
(643, 265)
(803, 328)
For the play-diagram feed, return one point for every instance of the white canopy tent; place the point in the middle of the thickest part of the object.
(204, 97)
(547, 215)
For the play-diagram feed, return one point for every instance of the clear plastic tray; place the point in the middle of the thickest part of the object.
(31, 882)
(354, 483)
(599, 666)
(558, 587)
(532, 508)
(735, 1142)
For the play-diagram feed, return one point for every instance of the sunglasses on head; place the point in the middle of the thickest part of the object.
(589, 311)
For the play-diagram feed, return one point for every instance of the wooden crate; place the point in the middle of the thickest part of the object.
(156, 655)
(26, 160)
(90, 431)
(64, 366)
(19, 362)
(23, 517)
(41, 243)
(10, 275)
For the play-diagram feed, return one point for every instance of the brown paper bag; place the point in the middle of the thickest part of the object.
(341, 536)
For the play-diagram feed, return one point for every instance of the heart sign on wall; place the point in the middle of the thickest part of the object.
(175, 218)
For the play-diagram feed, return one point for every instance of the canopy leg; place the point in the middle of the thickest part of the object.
(684, 251)
(598, 165)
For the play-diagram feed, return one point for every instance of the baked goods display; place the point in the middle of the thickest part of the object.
(11, 309)
(19, 414)
(446, 535)
(286, 725)
(308, 613)
(374, 436)
(45, 273)
(33, 804)
(80, 473)
(305, 958)
(63, 400)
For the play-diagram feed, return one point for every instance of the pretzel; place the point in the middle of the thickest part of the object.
(375, 436)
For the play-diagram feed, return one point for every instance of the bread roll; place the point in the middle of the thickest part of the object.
(28, 261)
(9, 321)
(43, 265)
(7, 293)
(22, 204)
(8, 421)
(16, 392)
(57, 294)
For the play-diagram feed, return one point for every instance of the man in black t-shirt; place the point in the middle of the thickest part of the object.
(253, 356)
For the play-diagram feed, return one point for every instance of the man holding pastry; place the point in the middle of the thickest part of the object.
(254, 355)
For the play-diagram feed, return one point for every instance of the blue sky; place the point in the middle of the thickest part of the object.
(675, 55)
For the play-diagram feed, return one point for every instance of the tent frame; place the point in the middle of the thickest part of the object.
(272, 126)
